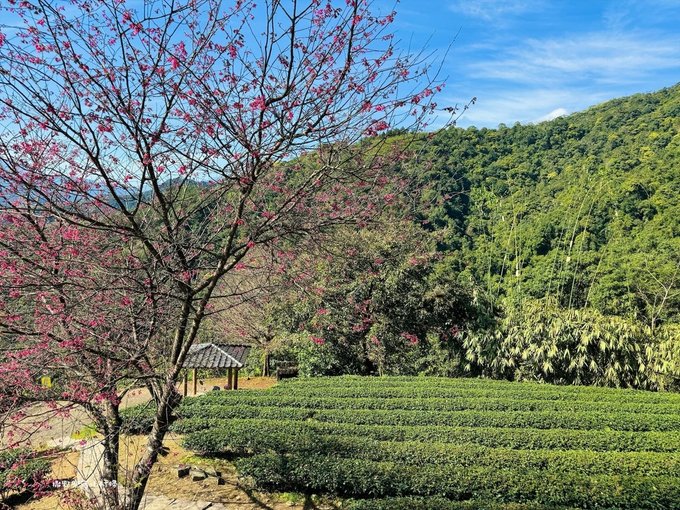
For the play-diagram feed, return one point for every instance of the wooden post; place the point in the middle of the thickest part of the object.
(185, 389)
(229, 378)
(195, 382)
(236, 378)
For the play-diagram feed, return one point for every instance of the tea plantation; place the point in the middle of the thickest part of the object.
(429, 443)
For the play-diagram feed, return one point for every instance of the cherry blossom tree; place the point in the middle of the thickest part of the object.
(149, 150)
(80, 309)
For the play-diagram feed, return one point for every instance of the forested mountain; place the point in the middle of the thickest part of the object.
(543, 252)
(584, 208)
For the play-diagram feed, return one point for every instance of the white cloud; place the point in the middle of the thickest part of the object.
(533, 60)
(559, 75)
(557, 112)
(526, 106)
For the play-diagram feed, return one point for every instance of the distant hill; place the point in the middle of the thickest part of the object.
(190, 185)
(584, 208)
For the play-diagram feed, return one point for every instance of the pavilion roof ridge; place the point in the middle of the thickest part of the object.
(216, 355)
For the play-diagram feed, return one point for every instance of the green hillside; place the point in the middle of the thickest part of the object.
(584, 209)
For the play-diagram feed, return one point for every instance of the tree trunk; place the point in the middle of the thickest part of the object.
(368, 366)
(265, 367)
(142, 471)
(109, 474)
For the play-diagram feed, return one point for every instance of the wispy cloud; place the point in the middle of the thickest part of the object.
(493, 9)
(539, 79)
(600, 57)
(533, 60)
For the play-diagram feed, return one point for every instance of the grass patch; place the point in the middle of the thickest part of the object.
(87, 432)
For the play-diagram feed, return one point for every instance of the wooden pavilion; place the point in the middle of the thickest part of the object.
(227, 357)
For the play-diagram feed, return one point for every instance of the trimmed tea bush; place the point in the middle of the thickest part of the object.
(427, 443)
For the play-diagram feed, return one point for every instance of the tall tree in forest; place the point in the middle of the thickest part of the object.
(147, 149)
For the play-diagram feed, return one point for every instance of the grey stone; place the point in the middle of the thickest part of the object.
(183, 471)
(157, 502)
(197, 475)
(216, 480)
(211, 471)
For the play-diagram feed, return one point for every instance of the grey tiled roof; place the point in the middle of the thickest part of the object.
(217, 356)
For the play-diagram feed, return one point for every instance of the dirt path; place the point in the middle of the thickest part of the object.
(45, 426)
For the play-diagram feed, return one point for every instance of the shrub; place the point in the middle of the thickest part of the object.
(137, 420)
(21, 469)
(227, 433)
(438, 503)
(467, 403)
(541, 340)
(243, 440)
(467, 418)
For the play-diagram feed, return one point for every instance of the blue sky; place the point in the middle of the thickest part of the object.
(531, 60)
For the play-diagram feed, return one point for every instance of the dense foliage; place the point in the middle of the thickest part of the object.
(379, 304)
(142, 157)
(583, 208)
(465, 442)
